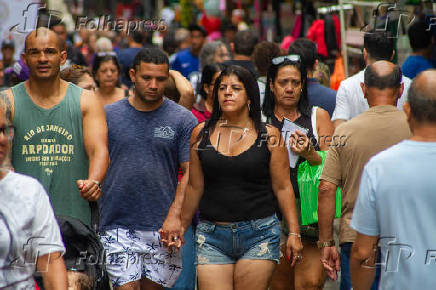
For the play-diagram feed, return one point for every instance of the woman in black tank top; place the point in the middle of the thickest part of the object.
(286, 97)
(238, 168)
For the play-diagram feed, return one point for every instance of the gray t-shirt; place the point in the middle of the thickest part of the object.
(396, 201)
(145, 149)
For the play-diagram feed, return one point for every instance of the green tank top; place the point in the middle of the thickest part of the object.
(48, 145)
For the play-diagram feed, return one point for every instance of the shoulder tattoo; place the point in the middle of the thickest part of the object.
(5, 104)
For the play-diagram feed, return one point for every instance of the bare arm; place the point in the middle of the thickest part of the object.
(195, 187)
(171, 227)
(53, 271)
(96, 144)
(326, 209)
(362, 261)
(187, 97)
(282, 187)
(324, 128)
(326, 213)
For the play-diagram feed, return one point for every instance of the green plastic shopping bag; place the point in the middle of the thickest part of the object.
(308, 182)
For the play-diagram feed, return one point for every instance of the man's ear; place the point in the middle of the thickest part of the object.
(407, 111)
(232, 47)
(132, 75)
(365, 55)
(393, 54)
(63, 56)
(362, 85)
(315, 65)
(23, 58)
(401, 90)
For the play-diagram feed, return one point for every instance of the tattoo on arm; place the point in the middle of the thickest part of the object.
(6, 105)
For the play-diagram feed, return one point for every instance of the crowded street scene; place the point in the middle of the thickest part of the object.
(217, 144)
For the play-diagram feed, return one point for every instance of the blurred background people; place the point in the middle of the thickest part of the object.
(106, 71)
(80, 76)
(213, 52)
(422, 42)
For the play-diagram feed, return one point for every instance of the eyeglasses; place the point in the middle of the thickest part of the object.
(292, 57)
(8, 131)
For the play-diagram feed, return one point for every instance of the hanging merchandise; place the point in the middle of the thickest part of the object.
(338, 74)
(186, 13)
(317, 33)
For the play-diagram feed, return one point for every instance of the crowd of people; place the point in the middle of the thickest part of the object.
(183, 160)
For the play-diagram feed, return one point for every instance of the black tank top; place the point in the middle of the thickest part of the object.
(236, 188)
(305, 122)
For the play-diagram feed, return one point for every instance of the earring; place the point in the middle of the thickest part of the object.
(249, 107)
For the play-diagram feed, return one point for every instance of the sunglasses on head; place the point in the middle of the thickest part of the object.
(291, 57)
(111, 53)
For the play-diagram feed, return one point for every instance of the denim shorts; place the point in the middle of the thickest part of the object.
(257, 239)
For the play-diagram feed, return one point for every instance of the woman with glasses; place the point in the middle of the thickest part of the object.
(106, 71)
(286, 97)
(238, 169)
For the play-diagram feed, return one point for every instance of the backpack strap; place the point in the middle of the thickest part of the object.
(95, 218)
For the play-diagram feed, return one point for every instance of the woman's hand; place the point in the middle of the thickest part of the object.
(299, 143)
(294, 249)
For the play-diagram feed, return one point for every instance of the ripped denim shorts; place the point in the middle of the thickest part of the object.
(257, 239)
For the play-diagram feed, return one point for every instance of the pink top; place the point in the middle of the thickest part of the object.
(201, 115)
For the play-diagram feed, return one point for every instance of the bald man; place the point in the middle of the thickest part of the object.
(396, 202)
(378, 128)
(61, 131)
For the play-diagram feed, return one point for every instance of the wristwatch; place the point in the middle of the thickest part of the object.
(321, 245)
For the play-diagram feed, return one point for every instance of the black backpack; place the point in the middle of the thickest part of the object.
(84, 251)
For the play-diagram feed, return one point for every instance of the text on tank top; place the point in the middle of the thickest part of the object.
(48, 145)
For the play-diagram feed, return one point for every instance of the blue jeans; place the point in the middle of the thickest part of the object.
(345, 268)
(187, 278)
(257, 239)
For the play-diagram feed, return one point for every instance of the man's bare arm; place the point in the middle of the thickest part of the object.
(184, 87)
(96, 144)
(172, 226)
(326, 209)
(53, 271)
(363, 261)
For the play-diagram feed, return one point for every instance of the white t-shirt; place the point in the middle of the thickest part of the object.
(396, 202)
(28, 229)
(350, 101)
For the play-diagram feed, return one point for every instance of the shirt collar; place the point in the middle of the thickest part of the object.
(383, 109)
